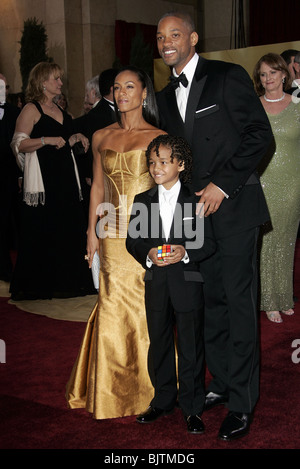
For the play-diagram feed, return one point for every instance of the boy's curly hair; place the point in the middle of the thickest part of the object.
(180, 150)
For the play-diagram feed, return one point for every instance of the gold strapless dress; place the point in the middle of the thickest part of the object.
(110, 377)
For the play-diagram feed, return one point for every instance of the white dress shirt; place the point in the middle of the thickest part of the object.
(167, 203)
(182, 93)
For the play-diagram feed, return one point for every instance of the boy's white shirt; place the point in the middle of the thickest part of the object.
(173, 194)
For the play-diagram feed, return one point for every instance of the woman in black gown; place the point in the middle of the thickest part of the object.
(50, 261)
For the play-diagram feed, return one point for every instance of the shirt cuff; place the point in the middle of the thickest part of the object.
(149, 263)
(226, 195)
(185, 258)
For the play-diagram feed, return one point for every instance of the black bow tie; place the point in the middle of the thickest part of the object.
(2, 106)
(176, 80)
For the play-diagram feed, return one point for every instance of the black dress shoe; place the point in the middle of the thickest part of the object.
(195, 424)
(212, 399)
(151, 414)
(235, 425)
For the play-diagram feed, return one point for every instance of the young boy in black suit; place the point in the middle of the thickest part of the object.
(173, 284)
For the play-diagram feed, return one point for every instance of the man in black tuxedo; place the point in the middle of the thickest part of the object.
(217, 111)
(288, 56)
(9, 174)
(100, 116)
(174, 282)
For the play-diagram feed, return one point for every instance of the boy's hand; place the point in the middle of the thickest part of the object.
(152, 254)
(178, 252)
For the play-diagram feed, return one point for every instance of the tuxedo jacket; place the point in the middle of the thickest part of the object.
(229, 133)
(180, 279)
(7, 127)
(97, 118)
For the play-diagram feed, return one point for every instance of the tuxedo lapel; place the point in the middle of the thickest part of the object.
(155, 225)
(176, 228)
(108, 109)
(194, 97)
(184, 197)
(172, 110)
(171, 102)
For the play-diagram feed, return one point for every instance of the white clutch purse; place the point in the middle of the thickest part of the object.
(96, 264)
(95, 270)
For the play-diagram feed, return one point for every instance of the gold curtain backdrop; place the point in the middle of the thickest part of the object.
(246, 57)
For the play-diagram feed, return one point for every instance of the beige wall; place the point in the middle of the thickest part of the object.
(246, 57)
(217, 26)
(80, 35)
(12, 16)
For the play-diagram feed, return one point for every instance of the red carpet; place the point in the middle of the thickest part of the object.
(40, 353)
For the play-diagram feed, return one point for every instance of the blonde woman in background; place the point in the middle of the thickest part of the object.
(50, 261)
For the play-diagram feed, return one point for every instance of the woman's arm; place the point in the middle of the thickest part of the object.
(28, 117)
(79, 138)
(96, 198)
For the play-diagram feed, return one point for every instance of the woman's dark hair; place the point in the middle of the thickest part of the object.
(150, 111)
(180, 150)
(276, 62)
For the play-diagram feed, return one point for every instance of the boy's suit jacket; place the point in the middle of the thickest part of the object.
(178, 278)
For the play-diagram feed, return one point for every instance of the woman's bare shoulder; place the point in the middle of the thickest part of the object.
(159, 131)
(154, 132)
(103, 138)
(30, 108)
(106, 130)
(29, 116)
(144, 137)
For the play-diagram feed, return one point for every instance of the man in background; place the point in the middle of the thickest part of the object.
(100, 94)
(289, 57)
(295, 89)
(9, 189)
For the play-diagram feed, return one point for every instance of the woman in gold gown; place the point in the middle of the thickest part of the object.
(110, 377)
